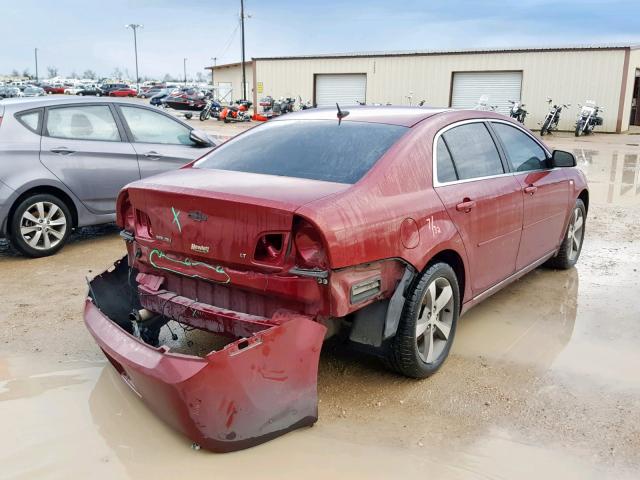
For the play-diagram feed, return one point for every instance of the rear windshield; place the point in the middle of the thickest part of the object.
(314, 149)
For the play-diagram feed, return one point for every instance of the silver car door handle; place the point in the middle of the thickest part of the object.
(62, 151)
(153, 155)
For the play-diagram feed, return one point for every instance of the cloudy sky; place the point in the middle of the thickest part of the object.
(77, 35)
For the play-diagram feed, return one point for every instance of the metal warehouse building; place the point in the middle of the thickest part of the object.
(607, 74)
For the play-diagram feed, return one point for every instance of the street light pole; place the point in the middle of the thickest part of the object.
(213, 85)
(135, 27)
(244, 74)
(184, 65)
(36, 55)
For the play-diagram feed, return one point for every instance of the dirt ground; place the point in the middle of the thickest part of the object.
(543, 380)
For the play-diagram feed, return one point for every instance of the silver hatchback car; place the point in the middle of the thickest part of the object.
(64, 160)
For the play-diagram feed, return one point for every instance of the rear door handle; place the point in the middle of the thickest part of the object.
(531, 189)
(153, 155)
(465, 206)
(61, 151)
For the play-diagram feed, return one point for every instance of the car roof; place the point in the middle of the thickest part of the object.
(389, 114)
(37, 102)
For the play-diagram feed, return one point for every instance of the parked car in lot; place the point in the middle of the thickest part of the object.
(73, 90)
(158, 99)
(122, 92)
(32, 91)
(10, 92)
(51, 89)
(108, 87)
(150, 92)
(385, 222)
(68, 157)
(92, 90)
(186, 99)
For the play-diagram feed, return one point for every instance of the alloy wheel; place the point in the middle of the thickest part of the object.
(43, 225)
(435, 319)
(575, 233)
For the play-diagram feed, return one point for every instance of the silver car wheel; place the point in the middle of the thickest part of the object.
(43, 225)
(435, 320)
(575, 233)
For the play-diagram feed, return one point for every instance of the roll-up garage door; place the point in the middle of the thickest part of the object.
(497, 87)
(347, 89)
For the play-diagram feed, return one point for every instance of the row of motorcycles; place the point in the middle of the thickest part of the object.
(239, 110)
(588, 117)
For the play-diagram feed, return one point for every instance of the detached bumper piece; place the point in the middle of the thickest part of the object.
(261, 385)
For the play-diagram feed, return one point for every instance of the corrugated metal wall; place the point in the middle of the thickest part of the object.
(234, 76)
(566, 76)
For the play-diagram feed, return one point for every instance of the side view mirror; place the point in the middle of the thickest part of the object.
(560, 158)
(201, 138)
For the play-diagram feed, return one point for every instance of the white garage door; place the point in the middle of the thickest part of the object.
(342, 89)
(497, 87)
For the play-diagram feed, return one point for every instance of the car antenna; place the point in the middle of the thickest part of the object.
(341, 113)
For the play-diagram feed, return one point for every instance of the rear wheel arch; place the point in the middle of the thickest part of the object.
(51, 190)
(455, 261)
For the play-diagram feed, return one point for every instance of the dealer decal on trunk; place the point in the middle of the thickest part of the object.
(187, 267)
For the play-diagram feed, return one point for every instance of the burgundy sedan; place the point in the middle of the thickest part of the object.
(123, 92)
(386, 224)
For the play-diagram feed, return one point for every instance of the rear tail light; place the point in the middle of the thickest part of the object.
(269, 248)
(310, 252)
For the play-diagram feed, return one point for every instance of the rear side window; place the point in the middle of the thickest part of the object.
(315, 149)
(446, 170)
(473, 151)
(31, 120)
(87, 122)
(523, 153)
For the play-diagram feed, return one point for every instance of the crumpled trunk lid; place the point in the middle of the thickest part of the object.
(257, 387)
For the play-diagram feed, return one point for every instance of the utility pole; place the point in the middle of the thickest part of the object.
(244, 73)
(36, 54)
(135, 27)
(184, 65)
(213, 85)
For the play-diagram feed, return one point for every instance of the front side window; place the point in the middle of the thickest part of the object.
(147, 126)
(87, 122)
(473, 151)
(315, 149)
(523, 153)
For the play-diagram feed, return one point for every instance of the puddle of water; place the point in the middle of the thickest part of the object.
(83, 422)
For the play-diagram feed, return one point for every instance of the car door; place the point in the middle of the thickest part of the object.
(545, 192)
(482, 198)
(161, 142)
(84, 147)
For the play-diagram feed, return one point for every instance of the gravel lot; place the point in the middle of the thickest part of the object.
(543, 380)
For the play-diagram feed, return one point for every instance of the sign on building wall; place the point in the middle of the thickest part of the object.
(260, 87)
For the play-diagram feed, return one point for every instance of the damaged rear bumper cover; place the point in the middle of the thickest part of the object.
(254, 389)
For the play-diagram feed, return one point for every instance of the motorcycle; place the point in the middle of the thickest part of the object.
(484, 106)
(550, 122)
(211, 109)
(236, 113)
(517, 111)
(588, 118)
(304, 105)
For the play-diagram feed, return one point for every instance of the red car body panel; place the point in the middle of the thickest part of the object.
(51, 89)
(194, 238)
(123, 92)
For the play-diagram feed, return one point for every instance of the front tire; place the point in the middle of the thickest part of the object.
(428, 323)
(571, 246)
(545, 127)
(40, 225)
(579, 128)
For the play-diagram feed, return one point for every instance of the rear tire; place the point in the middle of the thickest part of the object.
(40, 225)
(428, 323)
(579, 127)
(571, 246)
